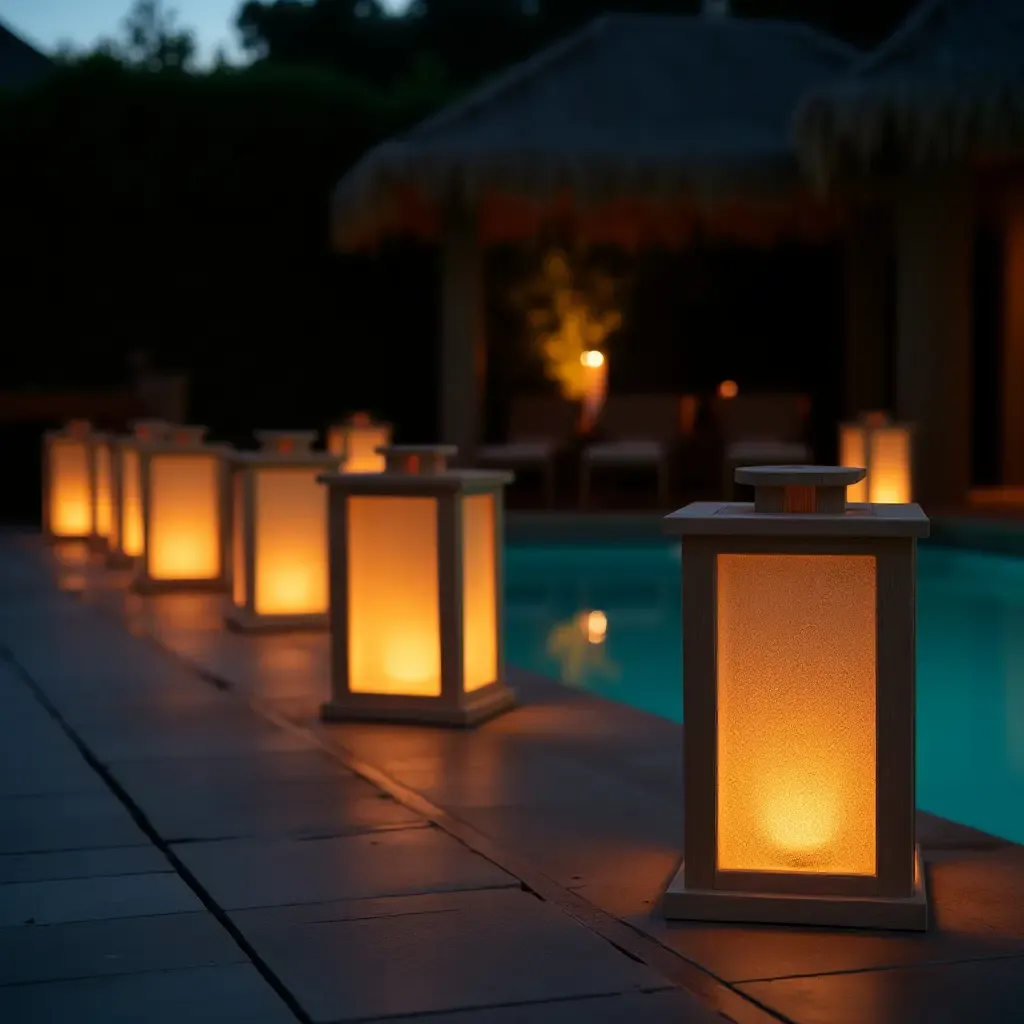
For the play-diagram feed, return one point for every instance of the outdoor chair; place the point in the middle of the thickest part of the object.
(761, 430)
(636, 431)
(540, 426)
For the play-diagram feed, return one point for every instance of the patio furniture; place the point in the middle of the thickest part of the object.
(761, 430)
(637, 431)
(539, 427)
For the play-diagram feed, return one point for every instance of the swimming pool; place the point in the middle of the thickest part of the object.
(970, 669)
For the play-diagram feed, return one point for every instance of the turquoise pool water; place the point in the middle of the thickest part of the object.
(970, 671)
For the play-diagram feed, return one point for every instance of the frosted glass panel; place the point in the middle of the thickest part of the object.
(70, 492)
(480, 598)
(853, 452)
(184, 517)
(796, 713)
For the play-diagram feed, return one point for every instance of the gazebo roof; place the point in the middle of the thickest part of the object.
(630, 107)
(20, 64)
(948, 85)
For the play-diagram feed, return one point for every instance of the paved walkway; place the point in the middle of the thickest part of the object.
(168, 855)
(362, 872)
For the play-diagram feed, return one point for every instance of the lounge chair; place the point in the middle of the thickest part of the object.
(761, 430)
(540, 426)
(637, 431)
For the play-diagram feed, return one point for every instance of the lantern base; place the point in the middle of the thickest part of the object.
(241, 620)
(681, 904)
(373, 707)
(119, 560)
(148, 585)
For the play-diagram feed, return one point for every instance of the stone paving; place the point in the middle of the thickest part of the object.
(232, 856)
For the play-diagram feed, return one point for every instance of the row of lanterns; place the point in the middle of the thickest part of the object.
(393, 550)
(798, 633)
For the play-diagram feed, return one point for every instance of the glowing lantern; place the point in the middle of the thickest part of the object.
(184, 520)
(357, 440)
(101, 457)
(68, 482)
(125, 539)
(728, 389)
(798, 659)
(416, 567)
(882, 448)
(279, 534)
(594, 388)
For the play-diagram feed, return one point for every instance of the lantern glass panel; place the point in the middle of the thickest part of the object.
(70, 494)
(291, 542)
(479, 595)
(238, 524)
(853, 452)
(184, 518)
(796, 707)
(104, 491)
(131, 503)
(394, 615)
(889, 473)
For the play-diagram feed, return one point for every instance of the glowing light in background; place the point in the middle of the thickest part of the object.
(728, 389)
(578, 645)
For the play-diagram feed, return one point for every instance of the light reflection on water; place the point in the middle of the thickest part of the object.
(970, 736)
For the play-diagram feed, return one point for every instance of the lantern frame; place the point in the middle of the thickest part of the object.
(420, 471)
(78, 431)
(143, 430)
(802, 510)
(183, 440)
(866, 425)
(280, 450)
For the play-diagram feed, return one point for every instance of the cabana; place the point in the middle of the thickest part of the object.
(634, 130)
(931, 127)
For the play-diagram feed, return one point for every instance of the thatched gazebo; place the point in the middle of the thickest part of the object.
(932, 123)
(632, 131)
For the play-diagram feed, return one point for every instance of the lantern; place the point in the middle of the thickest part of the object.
(884, 450)
(68, 482)
(279, 534)
(101, 458)
(358, 441)
(124, 541)
(798, 661)
(184, 513)
(416, 584)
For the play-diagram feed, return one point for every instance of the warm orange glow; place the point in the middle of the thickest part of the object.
(70, 488)
(853, 452)
(394, 621)
(357, 441)
(133, 540)
(184, 510)
(592, 358)
(796, 713)
(728, 389)
(596, 627)
(291, 542)
(104, 524)
(480, 592)
(889, 465)
(238, 526)
(884, 450)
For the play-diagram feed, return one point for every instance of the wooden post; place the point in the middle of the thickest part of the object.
(1012, 368)
(935, 237)
(867, 266)
(463, 347)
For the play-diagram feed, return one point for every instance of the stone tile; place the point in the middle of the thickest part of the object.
(295, 808)
(120, 860)
(122, 946)
(977, 907)
(94, 899)
(66, 821)
(979, 992)
(240, 874)
(230, 994)
(452, 951)
(35, 766)
(666, 1007)
(590, 843)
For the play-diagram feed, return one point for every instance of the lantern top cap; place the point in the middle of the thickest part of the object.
(447, 450)
(78, 428)
(799, 476)
(286, 442)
